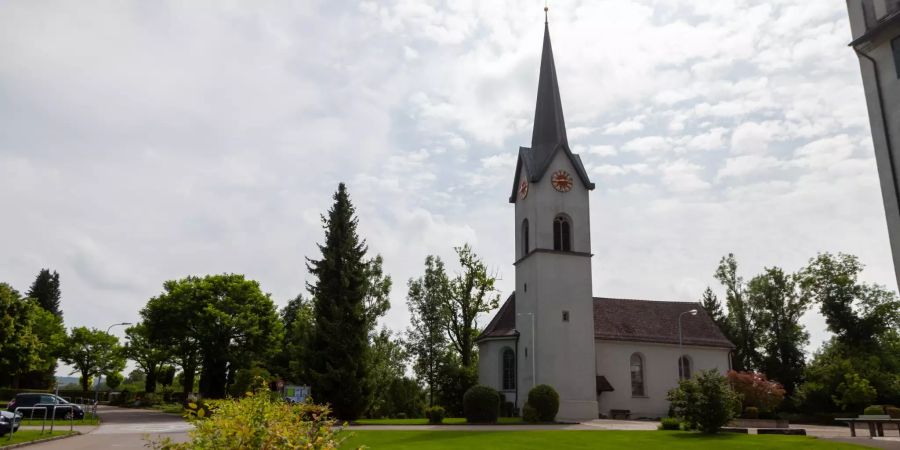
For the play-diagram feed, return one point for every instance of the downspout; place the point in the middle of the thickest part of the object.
(887, 133)
(517, 371)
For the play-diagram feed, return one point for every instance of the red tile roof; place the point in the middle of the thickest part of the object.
(630, 320)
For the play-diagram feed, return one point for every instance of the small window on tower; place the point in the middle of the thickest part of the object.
(562, 236)
(565, 316)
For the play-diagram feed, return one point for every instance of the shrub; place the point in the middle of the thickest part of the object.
(756, 390)
(669, 423)
(874, 410)
(149, 399)
(481, 404)
(257, 421)
(705, 402)
(529, 414)
(892, 411)
(435, 415)
(545, 400)
(751, 412)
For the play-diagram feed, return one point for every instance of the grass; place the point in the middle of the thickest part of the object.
(29, 435)
(595, 440)
(447, 421)
(88, 420)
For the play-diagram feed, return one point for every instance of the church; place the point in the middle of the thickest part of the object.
(606, 357)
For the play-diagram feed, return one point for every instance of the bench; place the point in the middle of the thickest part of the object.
(875, 423)
(621, 414)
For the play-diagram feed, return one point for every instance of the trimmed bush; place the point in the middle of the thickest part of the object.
(706, 401)
(751, 412)
(481, 404)
(669, 423)
(545, 400)
(529, 414)
(874, 410)
(892, 411)
(435, 415)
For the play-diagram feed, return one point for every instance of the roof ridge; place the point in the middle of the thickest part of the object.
(645, 300)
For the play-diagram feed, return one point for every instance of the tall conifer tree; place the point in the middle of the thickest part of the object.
(45, 290)
(339, 356)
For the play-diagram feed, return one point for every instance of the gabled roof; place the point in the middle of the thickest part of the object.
(631, 320)
(504, 322)
(653, 321)
(549, 133)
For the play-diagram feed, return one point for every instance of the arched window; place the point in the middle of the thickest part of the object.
(684, 367)
(525, 237)
(637, 375)
(509, 369)
(562, 234)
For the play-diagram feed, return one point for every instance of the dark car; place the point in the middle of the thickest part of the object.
(9, 420)
(64, 409)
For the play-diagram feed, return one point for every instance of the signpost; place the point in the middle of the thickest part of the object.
(295, 394)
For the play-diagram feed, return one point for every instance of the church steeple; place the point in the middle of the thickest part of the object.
(549, 126)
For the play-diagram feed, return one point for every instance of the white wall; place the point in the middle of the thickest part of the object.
(660, 373)
(490, 364)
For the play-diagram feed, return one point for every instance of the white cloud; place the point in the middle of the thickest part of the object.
(746, 165)
(626, 126)
(647, 145)
(683, 176)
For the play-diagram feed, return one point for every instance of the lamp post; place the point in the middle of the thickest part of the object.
(533, 373)
(97, 384)
(692, 312)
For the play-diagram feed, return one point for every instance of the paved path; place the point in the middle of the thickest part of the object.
(123, 428)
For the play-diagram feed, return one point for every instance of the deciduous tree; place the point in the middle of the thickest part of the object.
(471, 293)
(740, 328)
(92, 352)
(426, 340)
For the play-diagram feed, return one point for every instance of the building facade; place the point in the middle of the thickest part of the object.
(601, 355)
(875, 25)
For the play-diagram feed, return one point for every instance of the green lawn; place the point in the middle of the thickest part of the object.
(447, 421)
(29, 435)
(88, 420)
(595, 440)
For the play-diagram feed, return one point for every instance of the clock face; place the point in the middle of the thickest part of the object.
(523, 189)
(561, 181)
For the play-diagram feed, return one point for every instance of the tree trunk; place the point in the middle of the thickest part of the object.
(150, 381)
(213, 377)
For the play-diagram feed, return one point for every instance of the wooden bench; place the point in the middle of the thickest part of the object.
(875, 423)
(621, 414)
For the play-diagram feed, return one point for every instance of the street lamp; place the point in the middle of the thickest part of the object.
(692, 312)
(533, 373)
(97, 384)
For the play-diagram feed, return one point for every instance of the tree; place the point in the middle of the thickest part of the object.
(45, 289)
(713, 308)
(756, 390)
(114, 379)
(297, 319)
(857, 313)
(166, 376)
(92, 352)
(389, 358)
(224, 321)
(30, 337)
(740, 328)
(425, 338)
(339, 356)
(472, 292)
(778, 306)
(378, 291)
(148, 355)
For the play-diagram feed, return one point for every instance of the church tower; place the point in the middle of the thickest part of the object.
(553, 299)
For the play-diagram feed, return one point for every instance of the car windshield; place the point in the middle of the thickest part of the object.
(61, 401)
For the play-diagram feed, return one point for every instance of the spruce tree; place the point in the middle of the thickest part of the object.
(45, 290)
(713, 307)
(339, 354)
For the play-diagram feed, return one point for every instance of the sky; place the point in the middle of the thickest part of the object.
(148, 141)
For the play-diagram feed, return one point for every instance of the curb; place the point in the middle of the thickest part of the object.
(41, 441)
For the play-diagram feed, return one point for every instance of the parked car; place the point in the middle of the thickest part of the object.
(9, 420)
(45, 400)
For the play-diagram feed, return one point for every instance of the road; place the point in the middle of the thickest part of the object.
(123, 428)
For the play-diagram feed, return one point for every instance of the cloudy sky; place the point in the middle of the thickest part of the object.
(141, 142)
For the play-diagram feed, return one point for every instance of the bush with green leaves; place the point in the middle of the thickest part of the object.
(874, 410)
(530, 414)
(258, 421)
(481, 404)
(892, 411)
(545, 400)
(705, 402)
(435, 415)
(669, 423)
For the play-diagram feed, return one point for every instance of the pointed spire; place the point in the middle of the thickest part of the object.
(549, 126)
